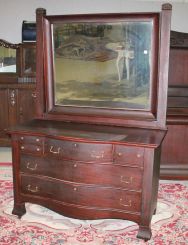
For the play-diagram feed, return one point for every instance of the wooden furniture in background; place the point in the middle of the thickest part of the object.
(93, 162)
(174, 162)
(28, 59)
(17, 94)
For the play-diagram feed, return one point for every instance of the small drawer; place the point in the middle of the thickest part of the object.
(115, 175)
(27, 148)
(25, 139)
(79, 151)
(84, 195)
(129, 155)
(31, 144)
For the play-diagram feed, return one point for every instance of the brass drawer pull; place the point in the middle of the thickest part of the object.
(126, 180)
(34, 190)
(96, 155)
(55, 152)
(37, 139)
(22, 147)
(125, 205)
(138, 155)
(119, 154)
(22, 138)
(30, 167)
(34, 95)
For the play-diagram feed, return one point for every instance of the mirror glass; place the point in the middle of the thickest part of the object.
(29, 60)
(103, 65)
(7, 60)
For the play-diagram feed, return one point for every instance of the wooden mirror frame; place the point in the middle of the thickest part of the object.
(155, 118)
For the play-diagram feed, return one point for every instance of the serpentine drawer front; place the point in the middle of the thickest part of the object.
(85, 178)
(78, 150)
(86, 195)
(117, 176)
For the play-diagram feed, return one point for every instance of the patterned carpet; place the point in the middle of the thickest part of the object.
(40, 226)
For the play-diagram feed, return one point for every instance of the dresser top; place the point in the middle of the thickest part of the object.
(91, 133)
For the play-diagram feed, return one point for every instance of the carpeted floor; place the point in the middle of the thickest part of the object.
(40, 226)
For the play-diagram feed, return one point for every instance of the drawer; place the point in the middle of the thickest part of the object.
(25, 139)
(88, 173)
(79, 151)
(129, 155)
(36, 149)
(85, 195)
(31, 144)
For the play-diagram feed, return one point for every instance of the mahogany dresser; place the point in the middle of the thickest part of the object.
(88, 171)
(93, 151)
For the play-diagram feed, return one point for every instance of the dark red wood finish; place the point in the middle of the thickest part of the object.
(17, 98)
(17, 106)
(174, 161)
(4, 118)
(76, 165)
(155, 117)
(112, 170)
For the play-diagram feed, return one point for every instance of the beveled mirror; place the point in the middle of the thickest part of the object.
(104, 65)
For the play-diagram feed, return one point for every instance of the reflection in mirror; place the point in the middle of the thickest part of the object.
(29, 58)
(105, 65)
(7, 57)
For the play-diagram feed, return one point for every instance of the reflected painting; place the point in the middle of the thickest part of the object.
(103, 65)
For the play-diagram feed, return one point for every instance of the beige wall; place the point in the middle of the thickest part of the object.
(13, 12)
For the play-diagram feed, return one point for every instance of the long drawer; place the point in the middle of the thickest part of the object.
(86, 195)
(79, 151)
(89, 173)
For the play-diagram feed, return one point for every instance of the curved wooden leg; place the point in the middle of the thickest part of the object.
(19, 210)
(144, 233)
